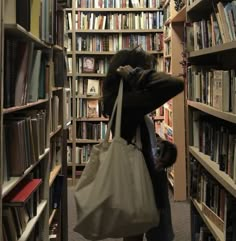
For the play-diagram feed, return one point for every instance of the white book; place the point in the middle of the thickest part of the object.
(93, 87)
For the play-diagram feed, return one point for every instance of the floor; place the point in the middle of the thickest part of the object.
(180, 218)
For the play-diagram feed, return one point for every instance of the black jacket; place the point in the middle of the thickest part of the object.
(145, 91)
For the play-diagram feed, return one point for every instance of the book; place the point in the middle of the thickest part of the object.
(33, 83)
(93, 87)
(92, 108)
(22, 192)
(88, 65)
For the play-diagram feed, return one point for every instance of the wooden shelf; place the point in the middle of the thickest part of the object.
(54, 173)
(53, 214)
(56, 131)
(108, 52)
(224, 179)
(226, 47)
(228, 116)
(180, 16)
(20, 32)
(198, 5)
(120, 31)
(22, 107)
(9, 185)
(92, 119)
(118, 9)
(87, 141)
(31, 224)
(216, 232)
(96, 75)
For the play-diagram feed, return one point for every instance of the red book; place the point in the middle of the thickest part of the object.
(22, 192)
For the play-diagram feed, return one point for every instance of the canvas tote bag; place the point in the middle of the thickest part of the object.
(114, 196)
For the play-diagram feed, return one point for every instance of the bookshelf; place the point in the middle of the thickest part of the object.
(173, 126)
(211, 118)
(33, 128)
(96, 32)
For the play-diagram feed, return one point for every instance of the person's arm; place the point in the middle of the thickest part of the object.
(150, 89)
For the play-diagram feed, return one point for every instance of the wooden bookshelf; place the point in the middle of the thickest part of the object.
(206, 164)
(77, 53)
(32, 128)
(174, 111)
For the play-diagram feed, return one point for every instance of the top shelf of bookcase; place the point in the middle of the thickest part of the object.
(118, 9)
(180, 16)
(198, 5)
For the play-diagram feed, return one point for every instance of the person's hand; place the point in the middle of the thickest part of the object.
(125, 71)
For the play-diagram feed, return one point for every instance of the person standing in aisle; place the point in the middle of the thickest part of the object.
(144, 90)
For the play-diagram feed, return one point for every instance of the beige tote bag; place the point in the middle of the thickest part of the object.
(114, 196)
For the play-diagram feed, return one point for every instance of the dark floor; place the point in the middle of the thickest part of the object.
(180, 218)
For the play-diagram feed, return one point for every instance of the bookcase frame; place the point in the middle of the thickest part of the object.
(48, 175)
(75, 53)
(211, 55)
(1, 102)
(177, 174)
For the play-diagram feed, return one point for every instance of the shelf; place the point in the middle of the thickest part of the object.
(88, 31)
(54, 211)
(216, 232)
(198, 5)
(92, 119)
(56, 89)
(228, 116)
(157, 118)
(108, 52)
(180, 16)
(29, 105)
(31, 224)
(9, 185)
(19, 32)
(87, 141)
(90, 75)
(57, 48)
(56, 131)
(214, 50)
(224, 179)
(54, 173)
(167, 39)
(118, 9)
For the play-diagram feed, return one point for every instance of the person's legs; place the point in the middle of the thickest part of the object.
(134, 238)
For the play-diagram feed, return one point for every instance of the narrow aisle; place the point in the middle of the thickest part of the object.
(180, 218)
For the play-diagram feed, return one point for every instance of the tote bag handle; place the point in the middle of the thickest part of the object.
(117, 108)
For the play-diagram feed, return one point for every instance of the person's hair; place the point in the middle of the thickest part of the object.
(135, 57)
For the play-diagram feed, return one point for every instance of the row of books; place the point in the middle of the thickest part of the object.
(19, 207)
(217, 140)
(116, 21)
(25, 73)
(118, 4)
(89, 64)
(88, 108)
(35, 16)
(55, 152)
(212, 86)
(91, 131)
(55, 107)
(82, 153)
(167, 48)
(217, 204)
(115, 42)
(201, 232)
(218, 28)
(87, 87)
(26, 135)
